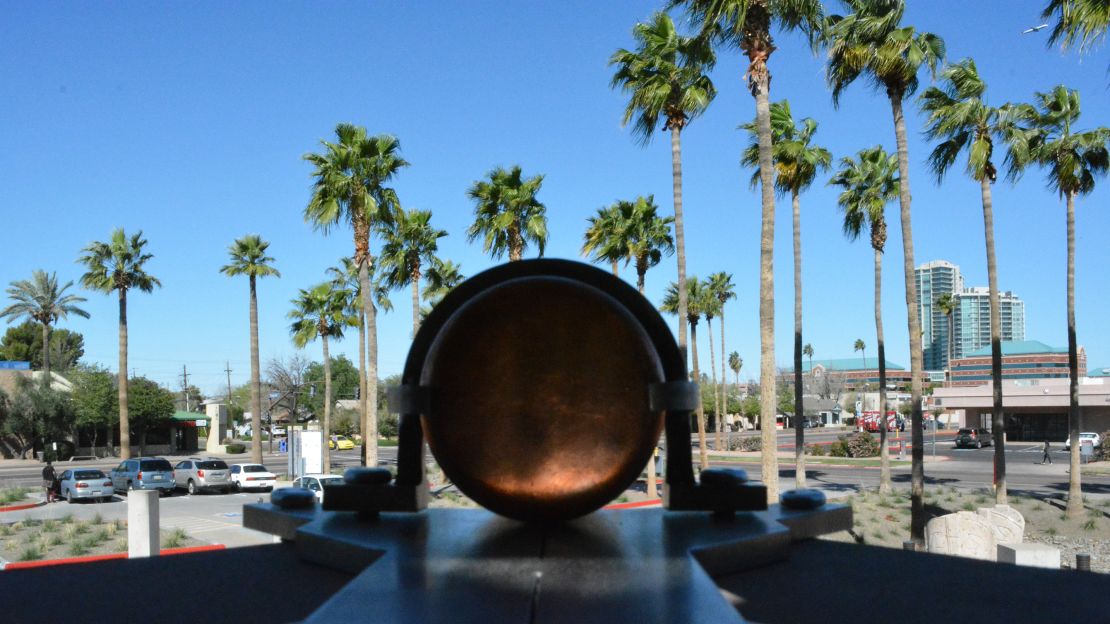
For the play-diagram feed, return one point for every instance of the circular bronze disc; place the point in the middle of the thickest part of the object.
(539, 398)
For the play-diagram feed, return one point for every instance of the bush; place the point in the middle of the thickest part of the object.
(388, 425)
(1103, 451)
(745, 443)
(236, 448)
(817, 450)
(861, 444)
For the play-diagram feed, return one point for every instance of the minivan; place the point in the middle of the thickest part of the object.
(143, 473)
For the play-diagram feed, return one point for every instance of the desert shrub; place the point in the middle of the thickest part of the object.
(748, 443)
(388, 424)
(31, 553)
(862, 444)
(174, 539)
(817, 450)
(236, 448)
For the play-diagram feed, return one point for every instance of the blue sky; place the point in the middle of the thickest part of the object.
(189, 120)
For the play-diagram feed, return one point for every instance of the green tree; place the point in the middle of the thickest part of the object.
(119, 265)
(695, 298)
(410, 245)
(646, 234)
(248, 257)
(667, 78)
(323, 312)
(507, 214)
(721, 286)
(441, 278)
(151, 406)
(796, 163)
(23, 343)
(735, 363)
(604, 238)
(962, 121)
(41, 300)
(346, 276)
(1073, 159)
(1079, 23)
(808, 352)
(746, 24)
(38, 412)
(871, 42)
(352, 177)
(710, 307)
(344, 382)
(869, 183)
(946, 303)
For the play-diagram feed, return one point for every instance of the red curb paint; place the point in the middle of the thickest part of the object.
(23, 565)
(648, 503)
(21, 507)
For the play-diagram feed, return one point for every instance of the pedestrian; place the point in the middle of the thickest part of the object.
(48, 478)
(1047, 457)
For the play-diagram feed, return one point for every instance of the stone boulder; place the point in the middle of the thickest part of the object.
(1007, 522)
(963, 534)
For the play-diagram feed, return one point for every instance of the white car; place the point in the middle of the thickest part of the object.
(252, 476)
(317, 482)
(1083, 437)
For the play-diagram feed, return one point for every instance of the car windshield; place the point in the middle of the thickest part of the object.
(254, 468)
(213, 464)
(155, 465)
(331, 480)
(965, 431)
(89, 474)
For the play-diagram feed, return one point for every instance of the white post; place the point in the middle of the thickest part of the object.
(142, 524)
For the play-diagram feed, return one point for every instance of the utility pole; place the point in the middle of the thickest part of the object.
(185, 385)
(227, 369)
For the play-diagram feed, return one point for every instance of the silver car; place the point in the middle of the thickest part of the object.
(85, 483)
(198, 473)
(143, 473)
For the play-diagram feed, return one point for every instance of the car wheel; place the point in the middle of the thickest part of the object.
(106, 499)
(238, 487)
(69, 496)
(978, 444)
(191, 487)
(130, 486)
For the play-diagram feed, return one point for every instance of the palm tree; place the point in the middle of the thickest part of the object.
(695, 297)
(322, 311)
(746, 24)
(507, 214)
(869, 183)
(410, 244)
(946, 303)
(796, 164)
(119, 265)
(720, 284)
(861, 347)
(735, 362)
(808, 352)
(442, 277)
(351, 178)
(871, 42)
(345, 276)
(647, 235)
(41, 300)
(710, 306)
(666, 76)
(604, 239)
(1082, 22)
(1073, 160)
(961, 121)
(248, 257)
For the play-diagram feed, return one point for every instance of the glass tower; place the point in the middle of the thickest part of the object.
(935, 279)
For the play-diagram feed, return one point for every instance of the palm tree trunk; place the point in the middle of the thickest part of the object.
(369, 381)
(679, 235)
(1075, 491)
(256, 381)
(124, 422)
(767, 390)
(362, 380)
(998, 419)
(414, 277)
(703, 453)
(799, 407)
(917, 486)
(724, 382)
(516, 244)
(326, 449)
(617, 273)
(716, 396)
(46, 353)
(641, 273)
(884, 451)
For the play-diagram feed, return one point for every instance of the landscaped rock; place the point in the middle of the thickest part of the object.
(1007, 522)
(963, 534)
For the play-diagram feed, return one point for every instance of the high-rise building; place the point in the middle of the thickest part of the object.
(972, 320)
(935, 279)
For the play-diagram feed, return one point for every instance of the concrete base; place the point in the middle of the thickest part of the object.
(143, 537)
(1032, 554)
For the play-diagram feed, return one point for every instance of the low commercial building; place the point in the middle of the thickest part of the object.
(1022, 359)
(855, 374)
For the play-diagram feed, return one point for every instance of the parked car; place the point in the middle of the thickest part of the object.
(143, 473)
(977, 438)
(85, 483)
(317, 483)
(1094, 438)
(341, 443)
(201, 473)
(251, 476)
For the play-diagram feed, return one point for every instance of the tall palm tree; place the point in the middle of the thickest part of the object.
(42, 301)
(710, 306)
(322, 311)
(796, 163)
(720, 284)
(1080, 23)
(351, 187)
(962, 121)
(647, 235)
(871, 42)
(1073, 159)
(442, 276)
(946, 303)
(604, 238)
(735, 362)
(695, 298)
(248, 257)
(862, 348)
(410, 244)
(808, 352)
(869, 183)
(119, 265)
(746, 24)
(667, 77)
(507, 214)
(345, 276)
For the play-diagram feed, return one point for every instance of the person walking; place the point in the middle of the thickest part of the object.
(48, 478)
(1047, 457)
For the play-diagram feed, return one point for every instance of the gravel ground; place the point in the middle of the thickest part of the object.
(1097, 548)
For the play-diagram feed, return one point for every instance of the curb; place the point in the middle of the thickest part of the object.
(185, 550)
(22, 507)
